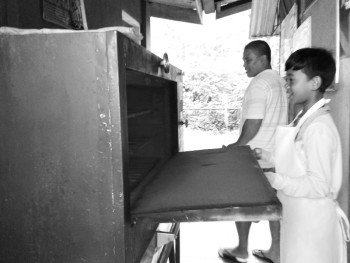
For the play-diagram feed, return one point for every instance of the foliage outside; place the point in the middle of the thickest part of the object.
(211, 57)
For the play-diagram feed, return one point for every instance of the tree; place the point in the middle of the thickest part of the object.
(211, 56)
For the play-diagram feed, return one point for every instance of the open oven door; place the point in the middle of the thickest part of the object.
(208, 185)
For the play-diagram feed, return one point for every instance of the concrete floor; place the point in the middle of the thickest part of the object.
(200, 242)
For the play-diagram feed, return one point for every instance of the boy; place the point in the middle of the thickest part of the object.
(309, 166)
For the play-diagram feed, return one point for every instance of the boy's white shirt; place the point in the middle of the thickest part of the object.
(319, 149)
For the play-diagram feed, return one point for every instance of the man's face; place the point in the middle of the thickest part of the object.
(253, 62)
(300, 86)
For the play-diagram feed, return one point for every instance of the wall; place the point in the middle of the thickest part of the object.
(324, 34)
(104, 13)
(133, 8)
(341, 114)
(323, 15)
(57, 176)
(25, 14)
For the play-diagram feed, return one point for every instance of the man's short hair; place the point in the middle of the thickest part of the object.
(261, 47)
(313, 62)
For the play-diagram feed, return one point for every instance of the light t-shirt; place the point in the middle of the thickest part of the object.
(266, 99)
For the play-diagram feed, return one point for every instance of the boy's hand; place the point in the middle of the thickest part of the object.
(258, 153)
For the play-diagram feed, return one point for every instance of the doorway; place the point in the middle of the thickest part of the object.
(214, 85)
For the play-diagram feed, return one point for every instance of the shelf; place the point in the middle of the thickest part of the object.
(138, 113)
(139, 167)
(136, 143)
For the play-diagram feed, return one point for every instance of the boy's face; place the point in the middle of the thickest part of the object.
(253, 63)
(300, 86)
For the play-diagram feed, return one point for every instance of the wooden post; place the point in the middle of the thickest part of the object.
(146, 24)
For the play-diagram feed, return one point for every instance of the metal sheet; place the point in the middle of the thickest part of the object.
(263, 18)
(216, 184)
(57, 183)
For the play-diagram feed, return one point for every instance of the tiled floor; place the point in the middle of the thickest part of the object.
(200, 242)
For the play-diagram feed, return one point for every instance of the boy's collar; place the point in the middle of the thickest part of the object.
(318, 105)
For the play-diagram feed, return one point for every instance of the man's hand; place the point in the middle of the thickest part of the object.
(258, 153)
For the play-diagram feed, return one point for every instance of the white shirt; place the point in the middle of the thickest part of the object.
(266, 99)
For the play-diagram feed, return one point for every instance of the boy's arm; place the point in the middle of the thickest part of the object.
(319, 146)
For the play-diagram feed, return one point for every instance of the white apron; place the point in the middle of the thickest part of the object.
(312, 230)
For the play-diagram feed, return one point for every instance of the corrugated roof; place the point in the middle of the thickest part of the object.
(263, 18)
(191, 10)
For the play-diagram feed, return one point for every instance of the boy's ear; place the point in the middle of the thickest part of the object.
(317, 81)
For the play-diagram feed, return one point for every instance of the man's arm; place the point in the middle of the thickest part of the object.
(249, 130)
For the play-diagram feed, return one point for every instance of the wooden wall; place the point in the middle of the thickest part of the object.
(104, 13)
(323, 14)
(58, 176)
(25, 14)
(133, 8)
(324, 34)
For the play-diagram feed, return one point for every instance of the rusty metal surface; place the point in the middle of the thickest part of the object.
(141, 59)
(57, 188)
(209, 185)
(272, 212)
(64, 193)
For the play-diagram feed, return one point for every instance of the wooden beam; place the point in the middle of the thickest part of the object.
(226, 11)
(175, 13)
(178, 3)
(104, 14)
(146, 24)
(208, 6)
(199, 9)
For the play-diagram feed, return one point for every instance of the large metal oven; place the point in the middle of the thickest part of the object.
(90, 154)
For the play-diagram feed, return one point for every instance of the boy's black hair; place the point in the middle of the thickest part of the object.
(313, 62)
(261, 47)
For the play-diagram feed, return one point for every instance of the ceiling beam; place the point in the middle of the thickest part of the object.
(188, 15)
(208, 6)
(178, 3)
(233, 8)
(199, 9)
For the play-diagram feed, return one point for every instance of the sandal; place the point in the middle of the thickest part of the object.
(225, 254)
(261, 255)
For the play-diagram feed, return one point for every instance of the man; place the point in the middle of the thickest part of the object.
(264, 108)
